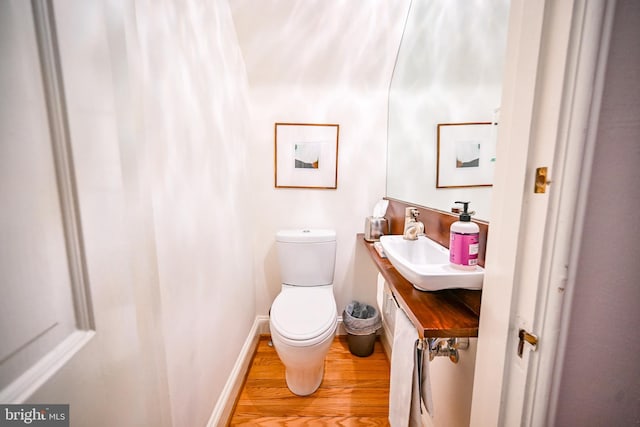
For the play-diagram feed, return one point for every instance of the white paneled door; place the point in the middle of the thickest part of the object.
(45, 314)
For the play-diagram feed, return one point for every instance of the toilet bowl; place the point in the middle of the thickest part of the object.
(303, 323)
(303, 317)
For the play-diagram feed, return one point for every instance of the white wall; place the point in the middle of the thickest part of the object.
(196, 122)
(319, 62)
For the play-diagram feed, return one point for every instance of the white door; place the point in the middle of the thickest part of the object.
(45, 315)
(101, 351)
(552, 57)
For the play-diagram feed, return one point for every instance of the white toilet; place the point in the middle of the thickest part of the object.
(303, 316)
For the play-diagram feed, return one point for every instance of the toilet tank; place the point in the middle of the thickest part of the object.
(306, 257)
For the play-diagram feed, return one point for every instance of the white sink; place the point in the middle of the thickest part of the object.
(425, 264)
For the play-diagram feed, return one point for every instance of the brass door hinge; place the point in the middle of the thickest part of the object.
(541, 180)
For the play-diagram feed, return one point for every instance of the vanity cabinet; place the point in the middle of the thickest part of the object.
(388, 306)
(441, 314)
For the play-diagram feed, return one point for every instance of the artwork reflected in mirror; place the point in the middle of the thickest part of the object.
(466, 155)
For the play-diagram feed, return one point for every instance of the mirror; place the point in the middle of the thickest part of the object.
(449, 70)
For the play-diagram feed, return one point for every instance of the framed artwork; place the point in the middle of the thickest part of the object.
(466, 155)
(306, 155)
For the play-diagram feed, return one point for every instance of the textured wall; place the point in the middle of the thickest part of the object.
(319, 62)
(599, 384)
(195, 114)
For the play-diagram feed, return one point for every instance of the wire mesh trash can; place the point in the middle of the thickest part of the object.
(361, 321)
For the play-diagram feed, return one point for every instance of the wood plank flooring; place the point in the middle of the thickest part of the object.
(354, 391)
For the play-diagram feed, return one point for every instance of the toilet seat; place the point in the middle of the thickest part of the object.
(304, 316)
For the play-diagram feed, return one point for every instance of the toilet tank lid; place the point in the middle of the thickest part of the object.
(306, 235)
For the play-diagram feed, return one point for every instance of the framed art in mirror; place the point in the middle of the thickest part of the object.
(306, 155)
(466, 155)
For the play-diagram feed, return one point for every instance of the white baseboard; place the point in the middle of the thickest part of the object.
(224, 407)
(340, 329)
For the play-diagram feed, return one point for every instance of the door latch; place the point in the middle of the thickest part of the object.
(526, 337)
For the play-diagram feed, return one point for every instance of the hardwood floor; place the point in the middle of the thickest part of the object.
(354, 391)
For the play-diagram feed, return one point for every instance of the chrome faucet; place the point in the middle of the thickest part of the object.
(412, 227)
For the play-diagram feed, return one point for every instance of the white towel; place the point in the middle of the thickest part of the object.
(409, 385)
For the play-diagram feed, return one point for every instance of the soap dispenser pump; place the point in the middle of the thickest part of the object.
(464, 241)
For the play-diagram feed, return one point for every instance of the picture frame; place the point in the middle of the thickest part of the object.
(466, 155)
(306, 155)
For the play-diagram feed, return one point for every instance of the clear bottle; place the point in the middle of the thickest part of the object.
(464, 241)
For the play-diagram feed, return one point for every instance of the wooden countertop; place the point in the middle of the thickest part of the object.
(439, 314)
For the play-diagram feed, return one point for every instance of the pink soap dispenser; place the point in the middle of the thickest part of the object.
(463, 244)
